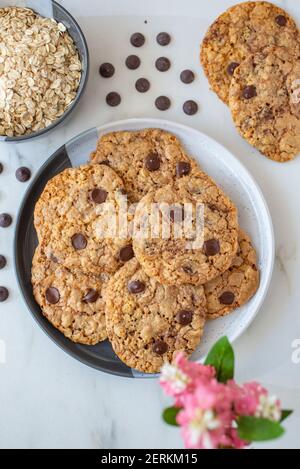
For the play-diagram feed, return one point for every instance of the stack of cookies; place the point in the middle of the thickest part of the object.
(150, 296)
(251, 58)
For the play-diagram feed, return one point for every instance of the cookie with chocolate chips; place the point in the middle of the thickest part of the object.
(71, 301)
(244, 29)
(148, 323)
(144, 159)
(264, 100)
(74, 219)
(183, 251)
(237, 285)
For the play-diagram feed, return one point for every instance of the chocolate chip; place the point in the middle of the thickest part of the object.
(183, 168)
(98, 196)
(23, 174)
(190, 107)
(152, 162)
(52, 296)
(2, 262)
(159, 347)
(162, 64)
(126, 253)
(187, 76)
(211, 247)
(53, 258)
(137, 39)
(3, 294)
(227, 298)
(79, 242)
(91, 296)
(136, 287)
(106, 70)
(113, 99)
(163, 39)
(281, 20)
(162, 103)
(133, 62)
(249, 92)
(142, 85)
(5, 220)
(1, 168)
(231, 68)
(185, 317)
(177, 214)
(105, 162)
(188, 269)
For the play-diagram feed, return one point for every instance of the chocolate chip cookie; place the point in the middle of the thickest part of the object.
(243, 29)
(147, 323)
(144, 159)
(237, 285)
(77, 219)
(195, 232)
(71, 301)
(264, 100)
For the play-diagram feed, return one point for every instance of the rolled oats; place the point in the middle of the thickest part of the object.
(40, 71)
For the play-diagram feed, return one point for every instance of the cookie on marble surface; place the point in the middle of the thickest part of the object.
(265, 103)
(243, 29)
(71, 301)
(148, 323)
(186, 254)
(75, 220)
(145, 159)
(237, 285)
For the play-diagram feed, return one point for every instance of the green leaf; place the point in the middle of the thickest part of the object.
(170, 414)
(285, 414)
(221, 357)
(258, 429)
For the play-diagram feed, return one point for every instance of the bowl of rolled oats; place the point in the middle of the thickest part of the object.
(44, 67)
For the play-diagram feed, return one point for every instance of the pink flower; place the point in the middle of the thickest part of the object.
(255, 400)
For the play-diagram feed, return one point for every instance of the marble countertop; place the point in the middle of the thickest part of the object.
(48, 400)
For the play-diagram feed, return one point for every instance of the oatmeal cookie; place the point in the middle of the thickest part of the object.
(237, 285)
(244, 29)
(148, 323)
(71, 301)
(265, 103)
(187, 252)
(146, 159)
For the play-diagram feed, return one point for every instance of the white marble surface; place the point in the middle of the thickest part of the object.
(48, 400)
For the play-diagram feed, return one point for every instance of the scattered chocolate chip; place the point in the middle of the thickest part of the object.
(105, 162)
(2, 262)
(162, 64)
(23, 174)
(152, 162)
(142, 85)
(136, 287)
(185, 317)
(98, 196)
(163, 39)
(249, 92)
(113, 99)
(133, 62)
(231, 68)
(227, 298)
(163, 103)
(91, 296)
(52, 295)
(5, 220)
(187, 76)
(159, 347)
(183, 168)
(177, 214)
(281, 20)
(106, 70)
(137, 39)
(53, 258)
(126, 253)
(188, 269)
(3, 294)
(211, 247)
(1, 168)
(190, 107)
(79, 242)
